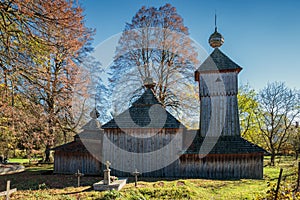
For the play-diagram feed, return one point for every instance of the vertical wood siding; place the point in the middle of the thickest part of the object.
(222, 166)
(216, 166)
(219, 105)
(154, 140)
(69, 163)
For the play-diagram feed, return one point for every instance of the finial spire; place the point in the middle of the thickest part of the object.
(215, 20)
(95, 102)
(94, 113)
(216, 39)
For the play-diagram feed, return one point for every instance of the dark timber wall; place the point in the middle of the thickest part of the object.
(222, 166)
(70, 162)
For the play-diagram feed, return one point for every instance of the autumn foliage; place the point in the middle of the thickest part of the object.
(40, 46)
(156, 44)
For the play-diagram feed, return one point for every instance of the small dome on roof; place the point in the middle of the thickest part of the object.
(216, 39)
(149, 83)
(94, 113)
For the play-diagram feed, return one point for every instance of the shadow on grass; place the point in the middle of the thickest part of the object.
(77, 192)
(42, 177)
(149, 179)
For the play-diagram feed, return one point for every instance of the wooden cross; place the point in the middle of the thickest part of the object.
(78, 175)
(8, 191)
(107, 165)
(135, 174)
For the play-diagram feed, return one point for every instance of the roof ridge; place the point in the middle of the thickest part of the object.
(138, 115)
(148, 92)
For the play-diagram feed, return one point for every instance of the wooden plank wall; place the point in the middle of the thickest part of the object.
(219, 166)
(154, 141)
(218, 104)
(69, 163)
(222, 166)
(211, 167)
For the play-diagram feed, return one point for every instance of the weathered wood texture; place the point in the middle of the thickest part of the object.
(152, 149)
(213, 166)
(222, 166)
(218, 104)
(70, 162)
(216, 166)
(219, 166)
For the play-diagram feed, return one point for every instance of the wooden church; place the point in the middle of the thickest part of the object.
(148, 138)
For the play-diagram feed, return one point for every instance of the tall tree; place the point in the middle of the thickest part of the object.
(21, 125)
(248, 113)
(279, 106)
(294, 139)
(156, 45)
(40, 42)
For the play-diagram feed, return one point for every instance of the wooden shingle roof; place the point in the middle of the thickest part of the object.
(91, 135)
(74, 146)
(218, 61)
(137, 116)
(223, 145)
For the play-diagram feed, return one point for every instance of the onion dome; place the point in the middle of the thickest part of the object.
(94, 113)
(149, 83)
(216, 39)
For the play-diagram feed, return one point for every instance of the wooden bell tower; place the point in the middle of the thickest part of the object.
(218, 87)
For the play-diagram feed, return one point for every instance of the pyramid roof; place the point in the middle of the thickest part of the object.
(142, 114)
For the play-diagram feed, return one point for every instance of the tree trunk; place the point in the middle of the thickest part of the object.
(272, 158)
(47, 154)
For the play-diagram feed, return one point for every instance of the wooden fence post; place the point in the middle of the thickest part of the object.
(278, 183)
(7, 189)
(298, 180)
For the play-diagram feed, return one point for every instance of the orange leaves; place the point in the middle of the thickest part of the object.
(39, 44)
(156, 44)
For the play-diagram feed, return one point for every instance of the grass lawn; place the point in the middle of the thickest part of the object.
(19, 160)
(22, 160)
(39, 183)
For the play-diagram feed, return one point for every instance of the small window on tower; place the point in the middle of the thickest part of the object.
(218, 80)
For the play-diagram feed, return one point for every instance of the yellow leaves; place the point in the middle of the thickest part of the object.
(3, 128)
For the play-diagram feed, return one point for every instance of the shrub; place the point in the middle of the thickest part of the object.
(286, 191)
(110, 195)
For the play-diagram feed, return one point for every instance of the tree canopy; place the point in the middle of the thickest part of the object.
(270, 118)
(40, 43)
(156, 45)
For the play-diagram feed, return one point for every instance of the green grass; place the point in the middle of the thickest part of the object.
(22, 160)
(19, 160)
(35, 184)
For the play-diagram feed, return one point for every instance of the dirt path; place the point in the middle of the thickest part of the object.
(11, 168)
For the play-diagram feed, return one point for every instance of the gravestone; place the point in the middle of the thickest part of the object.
(135, 174)
(106, 178)
(78, 175)
(106, 183)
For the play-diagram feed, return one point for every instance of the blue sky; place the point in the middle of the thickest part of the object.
(262, 36)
